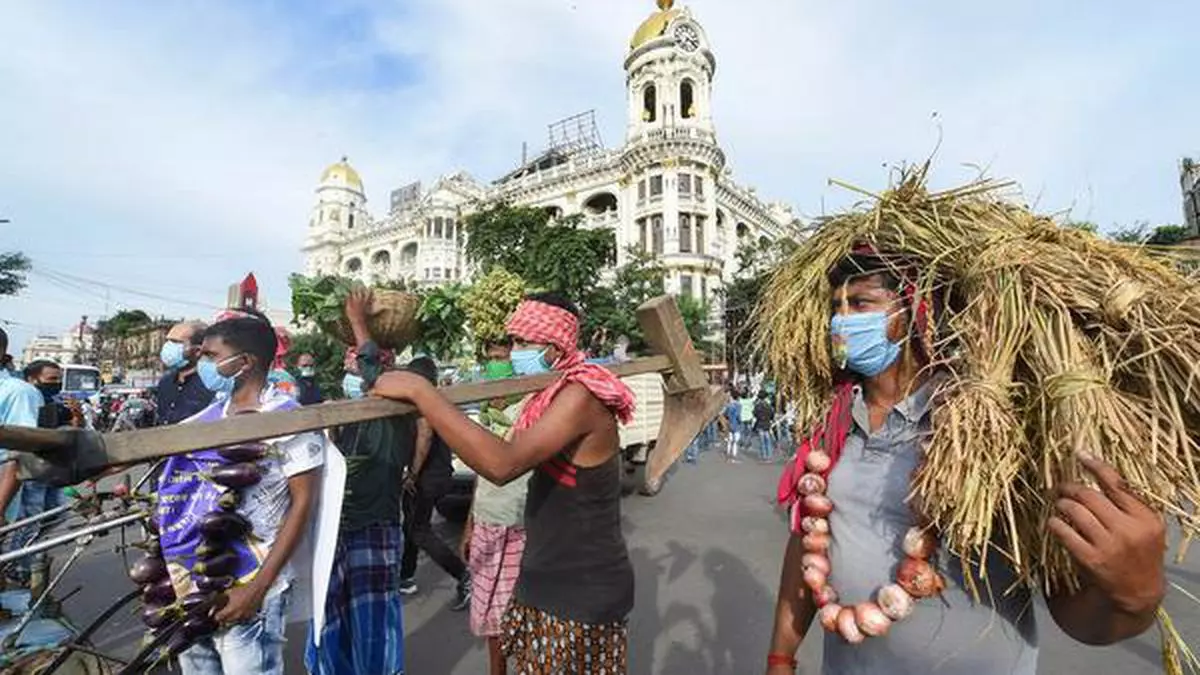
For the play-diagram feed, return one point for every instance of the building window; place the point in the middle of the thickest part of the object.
(437, 273)
(685, 233)
(687, 99)
(350, 220)
(656, 187)
(450, 229)
(656, 234)
(641, 191)
(704, 289)
(685, 285)
(701, 221)
(649, 104)
(698, 183)
(428, 274)
(437, 227)
(685, 184)
(354, 265)
(428, 227)
(641, 225)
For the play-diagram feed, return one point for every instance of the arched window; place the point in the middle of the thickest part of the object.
(354, 265)
(408, 254)
(687, 99)
(381, 261)
(649, 103)
(601, 202)
(742, 230)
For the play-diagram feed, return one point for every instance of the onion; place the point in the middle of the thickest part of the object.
(919, 543)
(814, 524)
(818, 462)
(814, 578)
(848, 627)
(895, 602)
(825, 597)
(815, 542)
(828, 617)
(871, 620)
(811, 484)
(815, 560)
(918, 578)
(818, 505)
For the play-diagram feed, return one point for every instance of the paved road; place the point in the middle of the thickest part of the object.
(707, 553)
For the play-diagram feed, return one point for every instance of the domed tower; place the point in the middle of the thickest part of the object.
(671, 158)
(340, 212)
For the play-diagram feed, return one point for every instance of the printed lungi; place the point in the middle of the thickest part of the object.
(538, 643)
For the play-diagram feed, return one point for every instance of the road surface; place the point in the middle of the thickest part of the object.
(706, 553)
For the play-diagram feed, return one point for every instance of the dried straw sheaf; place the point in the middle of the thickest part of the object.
(1058, 343)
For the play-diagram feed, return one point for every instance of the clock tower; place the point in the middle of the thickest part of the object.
(669, 71)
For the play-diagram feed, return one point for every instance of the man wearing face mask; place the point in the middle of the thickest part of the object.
(869, 445)
(235, 357)
(570, 609)
(180, 392)
(308, 391)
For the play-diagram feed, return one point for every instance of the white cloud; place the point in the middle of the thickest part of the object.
(193, 133)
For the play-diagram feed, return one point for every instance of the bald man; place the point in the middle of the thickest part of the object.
(181, 393)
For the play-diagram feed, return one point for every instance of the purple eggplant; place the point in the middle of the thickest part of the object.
(193, 600)
(237, 476)
(159, 592)
(221, 565)
(212, 584)
(177, 644)
(249, 452)
(196, 627)
(157, 617)
(148, 569)
(229, 501)
(224, 525)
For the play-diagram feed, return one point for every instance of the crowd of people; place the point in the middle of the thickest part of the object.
(544, 567)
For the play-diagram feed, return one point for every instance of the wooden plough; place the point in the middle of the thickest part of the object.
(69, 456)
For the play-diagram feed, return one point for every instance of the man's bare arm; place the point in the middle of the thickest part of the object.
(424, 443)
(302, 488)
(794, 607)
(570, 417)
(9, 484)
(1089, 616)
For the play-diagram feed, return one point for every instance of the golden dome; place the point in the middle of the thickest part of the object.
(656, 25)
(341, 172)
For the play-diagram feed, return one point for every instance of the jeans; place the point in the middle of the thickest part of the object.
(419, 536)
(766, 444)
(254, 647)
(33, 498)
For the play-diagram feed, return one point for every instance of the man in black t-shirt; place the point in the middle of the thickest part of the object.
(427, 482)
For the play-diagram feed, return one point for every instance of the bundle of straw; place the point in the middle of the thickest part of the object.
(1057, 343)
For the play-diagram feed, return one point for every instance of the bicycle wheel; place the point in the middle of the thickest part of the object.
(114, 620)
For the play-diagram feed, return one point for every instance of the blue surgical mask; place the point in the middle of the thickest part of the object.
(172, 355)
(352, 385)
(861, 343)
(529, 362)
(210, 374)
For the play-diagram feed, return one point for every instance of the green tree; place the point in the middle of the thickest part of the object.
(329, 355)
(611, 309)
(1131, 235)
(755, 260)
(695, 316)
(1082, 225)
(1168, 235)
(13, 267)
(443, 320)
(501, 235)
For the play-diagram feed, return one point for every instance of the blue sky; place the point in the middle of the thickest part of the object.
(157, 152)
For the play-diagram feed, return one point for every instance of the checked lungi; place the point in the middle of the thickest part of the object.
(364, 626)
(495, 563)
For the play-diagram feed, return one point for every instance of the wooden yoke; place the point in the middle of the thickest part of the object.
(690, 403)
(69, 456)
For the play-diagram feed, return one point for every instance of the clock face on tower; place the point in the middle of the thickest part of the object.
(687, 37)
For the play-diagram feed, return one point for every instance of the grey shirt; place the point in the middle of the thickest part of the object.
(951, 635)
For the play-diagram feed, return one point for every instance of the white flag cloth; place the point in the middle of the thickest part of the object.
(313, 560)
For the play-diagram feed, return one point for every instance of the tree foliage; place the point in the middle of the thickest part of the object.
(124, 323)
(1141, 233)
(444, 330)
(611, 309)
(13, 267)
(742, 295)
(489, 302)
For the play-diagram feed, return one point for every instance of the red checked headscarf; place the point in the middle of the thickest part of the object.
(829, 436)
(545, 324)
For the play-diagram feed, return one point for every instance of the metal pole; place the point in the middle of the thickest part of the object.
(44, 515)
(11, 640)
(72, 536)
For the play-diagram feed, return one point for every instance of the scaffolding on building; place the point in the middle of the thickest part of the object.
(577, 134)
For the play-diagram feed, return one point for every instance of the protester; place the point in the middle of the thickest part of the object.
(764, 419)
(308, 391)
(19, 405)
(364, 625)
(46, 376)
(494, 535)
(234, 359)
(575, 590)
(885, 412)
(278, 376)
(180, 393)
(733, 418)
(426, 483)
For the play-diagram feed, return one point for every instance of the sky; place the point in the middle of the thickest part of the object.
(153, 153)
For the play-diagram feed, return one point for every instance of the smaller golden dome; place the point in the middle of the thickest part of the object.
(656, 25)
(341, 172)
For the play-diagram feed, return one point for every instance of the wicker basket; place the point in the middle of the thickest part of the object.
(392, 320)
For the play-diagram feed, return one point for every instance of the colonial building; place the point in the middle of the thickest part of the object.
(666, 190)
(73, 346)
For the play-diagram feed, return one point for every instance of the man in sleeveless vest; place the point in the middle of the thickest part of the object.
(575, 589)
